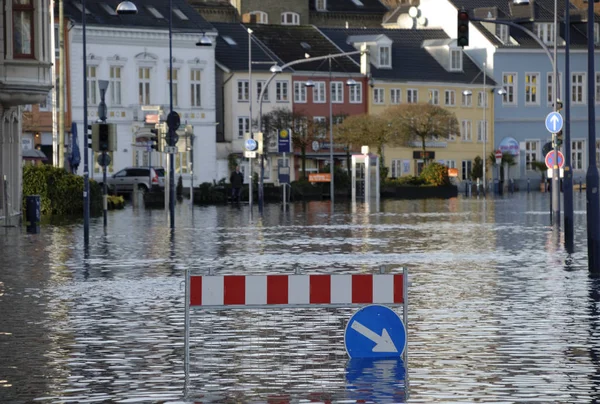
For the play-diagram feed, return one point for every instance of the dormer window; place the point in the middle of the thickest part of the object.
(385, 56)
(321, 5)
(456, 59)
(545, 31)
(289, 18)
(502, 33)
(260, 16)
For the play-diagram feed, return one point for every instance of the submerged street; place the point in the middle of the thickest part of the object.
(497, 310)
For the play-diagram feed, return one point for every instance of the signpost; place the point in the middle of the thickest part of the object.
(375, 332)
(554, 122)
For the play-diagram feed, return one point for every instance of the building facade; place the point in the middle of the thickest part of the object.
(25, 78)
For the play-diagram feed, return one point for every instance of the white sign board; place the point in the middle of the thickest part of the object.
(171, 149)
(549, 173)
(249, 154)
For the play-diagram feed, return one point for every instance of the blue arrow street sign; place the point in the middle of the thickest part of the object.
(554, 122)
(375, 332)
(251, 145)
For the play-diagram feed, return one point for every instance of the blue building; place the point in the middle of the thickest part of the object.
(523, 69)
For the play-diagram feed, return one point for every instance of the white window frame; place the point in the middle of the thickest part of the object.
(321, 5)
(261, 16)
(450, 98)
(482, 98)
(577, 89)
(144, 85)
(412, 95)
(282, 93)
(502, 33)
(175, 92)
(378, 96)
(322, 131)
(243, 126)
(532, 88)
(92, 83)
(549, 87)
(243, 91)
(578, 154)
(299, 92)
(385, 56)
(337, 92)
(196, 87)
(466, 100)
(115, 75)
(318, 92)
(456, 60)
(355, 93)
(545, 31)
(434, 96)
(482, 129)
(466, 130)
(532, 148)
(510, 98)
(295, 17)
(466, 168)
(395, 96)
(259, 86)
(396, 168)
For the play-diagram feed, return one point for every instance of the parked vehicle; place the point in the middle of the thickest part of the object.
(130, 178)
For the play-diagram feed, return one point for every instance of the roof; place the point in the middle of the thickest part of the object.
(539, 10)
(231, 49)
(103, 13)
(294, 42)
(351, 6)
(410, 60)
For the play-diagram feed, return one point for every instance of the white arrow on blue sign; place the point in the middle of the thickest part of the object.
(375, 332)
(554, 122)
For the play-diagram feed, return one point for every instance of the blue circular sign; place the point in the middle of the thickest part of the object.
(375, 332)
(251, 145)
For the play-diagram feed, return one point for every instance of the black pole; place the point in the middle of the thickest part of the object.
(86, 174)
(171, 130)
(593, 203)
(568, 177)
(555, 96)
(104, 191)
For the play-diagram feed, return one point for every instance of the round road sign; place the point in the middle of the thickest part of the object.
(551, 161)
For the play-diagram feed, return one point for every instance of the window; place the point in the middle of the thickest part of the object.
(385, 56)
(412, 96)
(23, 28)
(577, 154)
(466, 170)
(395, 168)
(259, 86)
(196, 87)
(449, 98)
(509, 82)
(502, 33)
(299, 92)
(545, 31)
(358, 3)
(465, 130)
(181, 163)
(467, 100)
(320, 126)
(144, 85)
(550, 87)
(175, 85)
(378, 96)
(155, 12)
(115, 85)
(482, 99)
(319, 92)
(180, 14)
(531, 88)
(281, 91)
(289, 18)
(243, 91)
(434, 97)
(481, 131)
(337, 92)
(92, 83)
(456, 59)
(531, 154)
(261, 17)
(450, 163)
(451, 135)
(577, 87)
(47, 104)
(395, 94)
(243, 126)
(109, 10)
(356, 94)
(230, 41)
(321, 5)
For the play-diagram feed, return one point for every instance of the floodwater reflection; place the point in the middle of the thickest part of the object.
(498, 311)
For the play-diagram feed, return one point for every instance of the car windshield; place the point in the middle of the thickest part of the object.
(160, 172)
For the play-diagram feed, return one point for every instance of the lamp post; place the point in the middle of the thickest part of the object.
(173, 120)
(275, 69)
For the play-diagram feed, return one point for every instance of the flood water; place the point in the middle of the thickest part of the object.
(498, 311)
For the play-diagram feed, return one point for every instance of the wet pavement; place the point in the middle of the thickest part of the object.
(498, 311)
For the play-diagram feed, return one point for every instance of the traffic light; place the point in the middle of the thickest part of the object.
(559, 138)
(103, 137)
(89, 136)
(462, 32)
(172, 137)
(155, 141)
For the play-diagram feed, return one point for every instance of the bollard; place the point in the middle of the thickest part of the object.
(33, 213)
(466, 188)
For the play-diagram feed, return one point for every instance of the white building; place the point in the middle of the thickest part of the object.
(25, 78)
(132, 53)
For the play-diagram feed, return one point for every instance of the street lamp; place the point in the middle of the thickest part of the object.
(173, 121)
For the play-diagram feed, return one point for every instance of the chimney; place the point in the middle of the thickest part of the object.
(365, 64)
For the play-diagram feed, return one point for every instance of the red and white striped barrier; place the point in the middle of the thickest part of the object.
(299, 290)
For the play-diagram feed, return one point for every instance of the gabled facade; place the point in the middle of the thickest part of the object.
(425, 66)
(132, 53)
(521, 67)
(25, 78)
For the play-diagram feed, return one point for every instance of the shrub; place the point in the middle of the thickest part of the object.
(435, 174)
